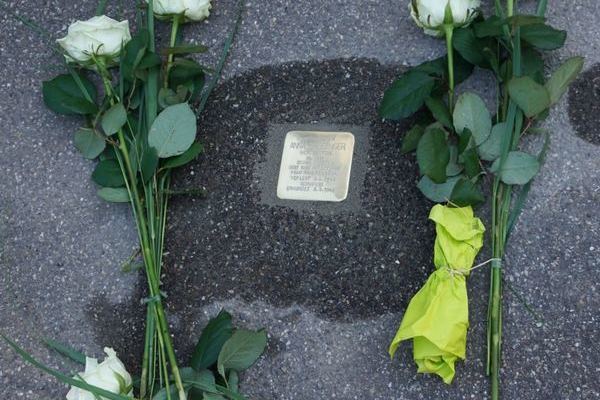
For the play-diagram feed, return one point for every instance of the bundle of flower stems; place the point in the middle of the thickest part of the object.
(140, 128)
(458, 142)
(504, 215)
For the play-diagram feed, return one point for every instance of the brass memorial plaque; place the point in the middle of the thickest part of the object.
(315, 166)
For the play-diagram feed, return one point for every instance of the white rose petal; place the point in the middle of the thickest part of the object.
(192, 10)
(103, 375)
(99, 36)
(429, 14)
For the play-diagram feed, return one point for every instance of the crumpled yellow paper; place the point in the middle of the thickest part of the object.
(437, 317)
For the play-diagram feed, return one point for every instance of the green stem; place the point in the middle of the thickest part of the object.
(174, 30)
(147, 246)
(510, 7)
(449, 30)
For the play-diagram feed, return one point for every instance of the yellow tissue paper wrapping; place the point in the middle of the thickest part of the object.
(437, 317)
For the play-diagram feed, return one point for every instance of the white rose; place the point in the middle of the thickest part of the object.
(192, 10)
(109, 375)
(99, 36)
(429, 14)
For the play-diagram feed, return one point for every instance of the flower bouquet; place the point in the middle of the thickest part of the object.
(139, 127)
(460, 145)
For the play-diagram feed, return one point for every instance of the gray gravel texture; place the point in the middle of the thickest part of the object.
(61, 247)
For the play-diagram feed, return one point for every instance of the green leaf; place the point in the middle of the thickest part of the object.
(439, 110)
(114, 195)
(543, 36)
(108, 174)
(529, 95)
(184, 49)
(133, 52)
(433, 155)
(411, 139)
(466, 193)
(60, 376)
(532, 64)
(168, 97)
(215, 334)
(439, 68)
(453, 168)
(194, 151)
(470, 47)
(471, 113)
(437, 192)
(560, 80)
(212, 396)
(89, 143)
(148, 164)
(492, 147)
(470, 159)
(524, 20)
(406, 95)
(172, 394)
(149, 60)
(201, 379)
(63, 96)
(518, 168)
(65, 350)
(113, 119)
(173, 131)
(492, 26)
(465, 141)
(233, 380)
(230, 394)
(521, 198)
(187, 73)
(241, 350)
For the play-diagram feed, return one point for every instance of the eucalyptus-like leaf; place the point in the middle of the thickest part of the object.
(560, 80)
(89, 143)
(437, 192)
(406, 95)
(492, 147)
(529, 95)
(173, 131)
(114, 195)
(242, 350)
(518, 168)
(453, 168)
(233, 380)
(433, 155)
(471, 113)
(113, 119)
